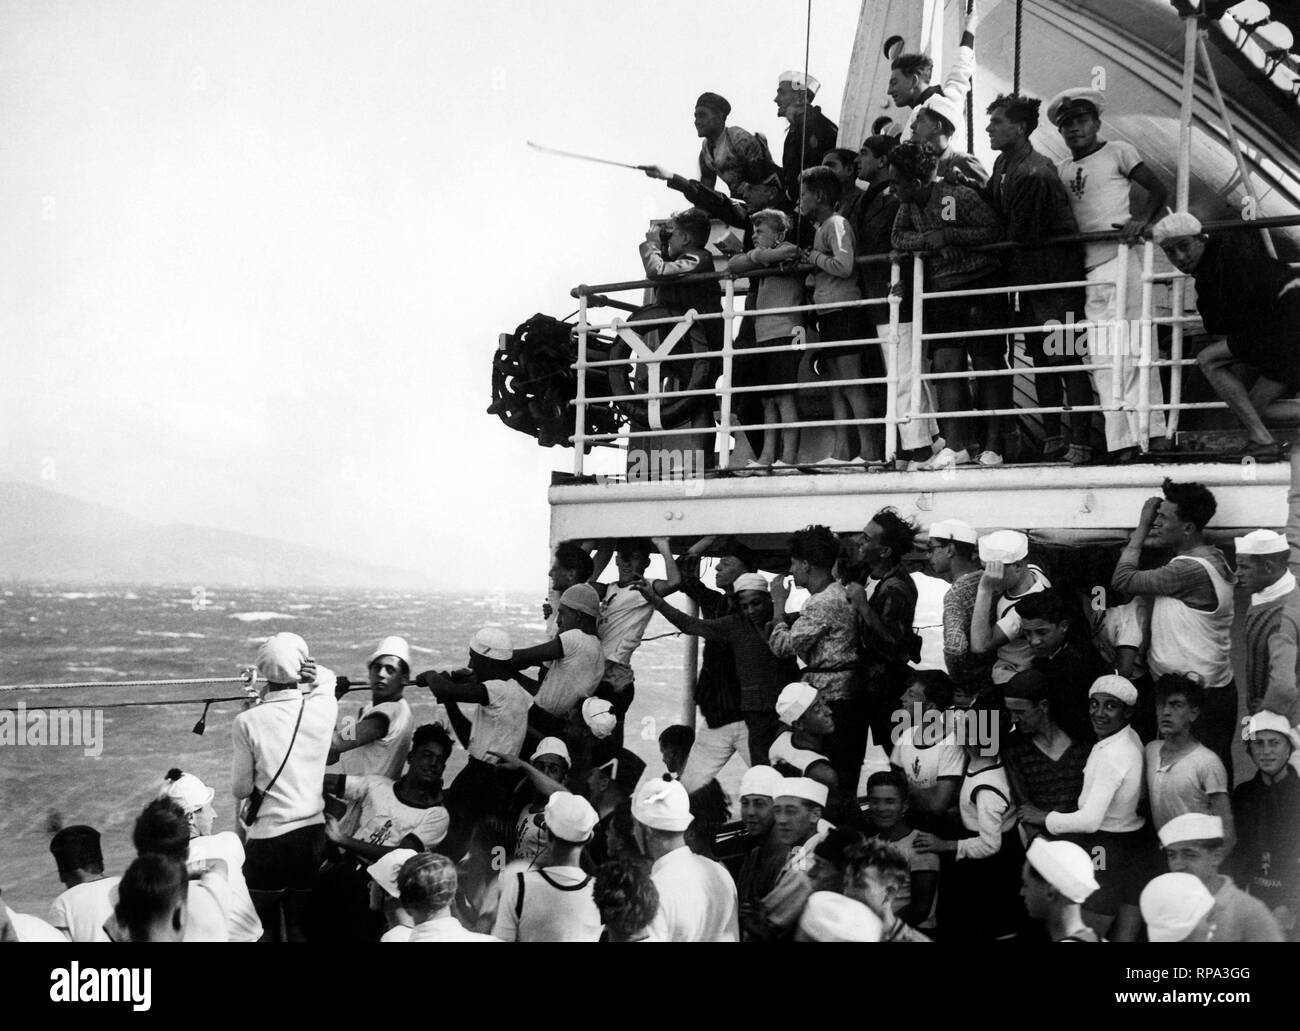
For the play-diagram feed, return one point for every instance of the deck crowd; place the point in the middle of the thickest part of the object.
(1067, 776)
(818, 228)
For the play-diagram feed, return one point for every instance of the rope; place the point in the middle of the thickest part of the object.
(1015, 82)
(136, 705)
(803, 118)
(123, 683)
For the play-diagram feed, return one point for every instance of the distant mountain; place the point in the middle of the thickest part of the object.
(49, 536)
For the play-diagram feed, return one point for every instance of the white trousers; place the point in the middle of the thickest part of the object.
(922, 429)
(714, 747)
(1121, 427)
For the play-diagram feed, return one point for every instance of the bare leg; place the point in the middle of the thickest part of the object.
(951, 395)
(769, 433)
(992, 392)
(850, 367)
(1214, 361)
(840, 411)
(789, 412)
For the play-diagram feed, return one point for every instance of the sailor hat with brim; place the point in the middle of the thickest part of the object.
(1070, 100)
(1065, 866)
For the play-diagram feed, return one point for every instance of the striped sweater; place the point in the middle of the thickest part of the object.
(1272, 641)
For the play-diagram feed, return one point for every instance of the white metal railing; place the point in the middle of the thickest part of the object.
(1118, 336)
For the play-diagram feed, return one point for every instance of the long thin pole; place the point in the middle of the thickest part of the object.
(690, 666)
(1183, 189)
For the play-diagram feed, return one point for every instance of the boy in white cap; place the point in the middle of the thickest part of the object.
(195, 798)
(765, 855)
(810, 134)
(1193, 844)
(500, 723)
(1008, 577)
(797, 827)
(1253, 301)
(1056, 880)
(1176, 908)
(801, 750)
(1266, 812)
(1107, 821)
(1097, 176)
(954, 556)
(1192, 604)
(544, 776)
(280, 750)
(572, 660)
(697, 897)
(383, 872)
(553, 901)
(832, 917)
(743, 633)
(1272, 630)
(910, 74)
(935, 122)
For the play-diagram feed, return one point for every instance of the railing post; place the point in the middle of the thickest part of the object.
(1176, 353)
(690, 666)
(728, 338)
(580, 396)
(1119, 337)
(918, 347)
(892, 366)
(1182, 187)
(1144, 346)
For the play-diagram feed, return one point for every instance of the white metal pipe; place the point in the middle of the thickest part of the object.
(579, 399)
(1144, 345)
(1183, 188)
(728, 364)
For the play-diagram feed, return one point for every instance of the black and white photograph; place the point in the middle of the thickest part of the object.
(801, 471)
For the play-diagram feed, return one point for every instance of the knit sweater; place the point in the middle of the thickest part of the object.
(1272, 639)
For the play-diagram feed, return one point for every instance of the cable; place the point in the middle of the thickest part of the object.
(1015, 82)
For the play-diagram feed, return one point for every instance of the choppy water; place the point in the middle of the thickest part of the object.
(62, 633)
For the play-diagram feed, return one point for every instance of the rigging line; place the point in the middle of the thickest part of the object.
(134, 705)
(803, 117)
(1015, 82)
(123, 683)
(970, 96)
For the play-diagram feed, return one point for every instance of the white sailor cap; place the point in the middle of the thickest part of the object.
(394, 646)
(384, 870)
(1173, 904)
(829, 916)
(1065, 866)
(1191, 827)
(751, 582)
(662, 805)
(1262, 542)
(950, 110)
(803, 787)
(1116, 686)
(1171, 227)
(599, 716)
(1004, 546)
(1265, 720)
(794, 700)
(280, 658)
(953, 530)
(760, 780)
(190, 793)
(492, 642)
(553, 746)
(569, 817)
(800, 80)
(1068, 99)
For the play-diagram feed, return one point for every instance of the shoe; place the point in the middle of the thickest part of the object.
(831, 463)
(937, 445)
(780, 468)
(1078, 454)
(1273, 451)
(1054, 448)
(988, 459)
(946, 459)
(751, 468)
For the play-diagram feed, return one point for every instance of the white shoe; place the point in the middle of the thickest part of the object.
(831, 463)
(946, 459)
(751, 468)
(937, 445)
(989, 459)
(780, 468)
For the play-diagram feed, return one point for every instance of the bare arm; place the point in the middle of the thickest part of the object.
(673, 576)
(984, 636)
(1157, 197)
(545, 652)
(544, 784)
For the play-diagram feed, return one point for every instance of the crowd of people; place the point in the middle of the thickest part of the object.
(818, 228)
(1067, 776)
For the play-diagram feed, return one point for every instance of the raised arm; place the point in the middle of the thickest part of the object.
(985, 636)
(706, 628)
(673, 576)
(544, 784)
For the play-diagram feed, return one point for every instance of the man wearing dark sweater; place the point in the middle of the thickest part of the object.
(1272, 633)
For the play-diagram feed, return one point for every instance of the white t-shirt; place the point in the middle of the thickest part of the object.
(557, 907)
(1016, 653)
(697, 899)
(446, 929)
(80, 911)
(783, 753)
(385, 756)
(574, 677)
(1124, 626)
(1112, 787)
(244, 925)
(924, 765)
(208, 906)
(624, 615)
(500, 725)
(1098, 188)
(30, 928)
(531, 835)
(386, 821)
(1184, 785)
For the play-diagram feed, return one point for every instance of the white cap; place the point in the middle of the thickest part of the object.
(553, 746)
(1067, 98)
(1004, 546)
(394, 646)
(1265, 720)
(28, 928)
(187, 791)
(760, 780)
(383, 871)
(570, 817)
(1262, 542)
(949, 109)
(599, 716)
(751, 582)
(802, 787)
(1171, 227)
(280, 658)
(492, 642)
(953, 530)
(1065, 866)
(581, 598)
(800, 80)
(829, 916)
(1116, 686)
(662, 805)
(794, 701)
(1191, 827)
(1173, 904)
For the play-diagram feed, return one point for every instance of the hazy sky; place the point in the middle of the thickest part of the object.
(258, 254)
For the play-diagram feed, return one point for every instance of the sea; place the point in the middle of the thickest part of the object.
(104, 636)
